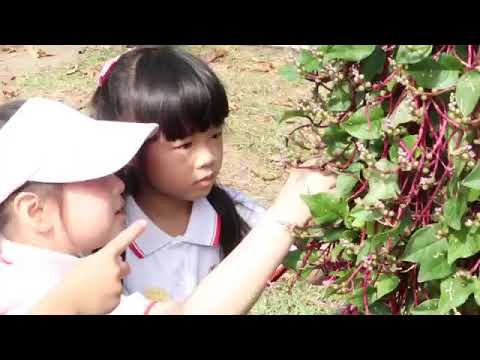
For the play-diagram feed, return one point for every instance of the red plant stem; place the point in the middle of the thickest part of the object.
(417, 177)
(360, 190)
(350, 161)
(439, 51)
(432, 196)
(406, 149)
(385, 147)
(393, 305)
(299, 272)
(365, 292)
(475, 267)
(426, 112)
(354, 274)
(363, 236)
(414, 285)
(458, 57)
(470, 55)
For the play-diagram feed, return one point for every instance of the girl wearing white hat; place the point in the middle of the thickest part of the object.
(59, 201)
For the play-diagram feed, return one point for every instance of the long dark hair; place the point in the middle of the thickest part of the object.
(173, 88)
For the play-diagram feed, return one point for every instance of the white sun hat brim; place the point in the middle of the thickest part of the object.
(47, 141)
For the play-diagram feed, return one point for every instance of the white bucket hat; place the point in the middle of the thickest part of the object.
(47, 141)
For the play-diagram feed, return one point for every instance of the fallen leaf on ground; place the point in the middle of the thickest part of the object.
(10, 93)
(216, 55)
(262, 67)
(8, 50)
(72, 70)
(37, 52)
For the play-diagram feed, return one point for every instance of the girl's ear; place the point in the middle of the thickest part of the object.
(31, 210)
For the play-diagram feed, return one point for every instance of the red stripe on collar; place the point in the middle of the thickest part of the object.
(218, 230)
(136, 250)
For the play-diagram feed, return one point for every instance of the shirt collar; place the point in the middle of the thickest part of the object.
(203, 228)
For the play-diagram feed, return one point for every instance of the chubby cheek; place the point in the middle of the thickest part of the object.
(89, 220)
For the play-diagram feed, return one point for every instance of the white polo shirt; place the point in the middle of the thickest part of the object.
(27, 274)
(175, 265)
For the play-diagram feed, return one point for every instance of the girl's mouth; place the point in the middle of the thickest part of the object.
(206, 181)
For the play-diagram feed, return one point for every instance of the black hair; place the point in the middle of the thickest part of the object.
(180, 93)
(7, 110)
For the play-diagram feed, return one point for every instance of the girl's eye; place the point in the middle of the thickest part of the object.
(217, 135)
(184, 146)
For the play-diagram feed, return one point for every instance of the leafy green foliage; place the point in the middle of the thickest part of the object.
(399, 125)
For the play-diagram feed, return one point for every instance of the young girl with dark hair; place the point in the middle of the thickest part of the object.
(194, 222)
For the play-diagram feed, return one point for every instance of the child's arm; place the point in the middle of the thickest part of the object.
(237, 282)
(100, 274)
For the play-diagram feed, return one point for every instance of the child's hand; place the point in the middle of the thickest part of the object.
(94, 285)
(288, 205)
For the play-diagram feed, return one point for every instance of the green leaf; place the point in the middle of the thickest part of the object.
(379, 308)
(454, 292)
(350, 235)
(462, 51)
(428, 307)
(386, 284)
(431, 253)
(357, 297)
(391, 84)
(332, 235)
(340, 98)
(359, 126)
(355, 167)
(463, 244)
(419, 243)
(401, 114)
(291, 114)
(411, 54)
(453, 186)
(308, 61)
(306, 272)
(473, 179)
(410, 141)
(473, 195)
(468, 92)
(431, 74)
(393, 152)
(459, 164)
(289, 72)
(345, 184)
(335, 138)
(381, 238)
(336, 251)
(349, 52)
(454, 139)
(373, 65)
(361, 216)
(325, 207)
(374, 242)
(454, 209)
(363, 252)
(381, 187)
(293, 258)
(450, 62)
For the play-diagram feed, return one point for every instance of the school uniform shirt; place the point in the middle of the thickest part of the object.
(27, 273)
(173, 266)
